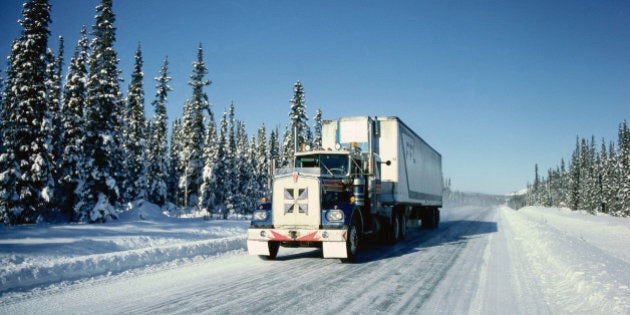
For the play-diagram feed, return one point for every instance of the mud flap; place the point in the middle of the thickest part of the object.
(334, 250)
(260, 248)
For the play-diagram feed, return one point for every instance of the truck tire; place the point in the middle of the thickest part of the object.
(428, 218)
(352, 242)
(273, 251)
(402, 230)
(393, 229)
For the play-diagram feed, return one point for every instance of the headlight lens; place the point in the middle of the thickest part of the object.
(334, 215)
(260, 215)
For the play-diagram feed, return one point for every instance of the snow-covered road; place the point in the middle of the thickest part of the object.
(481, 260)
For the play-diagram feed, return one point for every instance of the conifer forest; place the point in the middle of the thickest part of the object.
(76, 146)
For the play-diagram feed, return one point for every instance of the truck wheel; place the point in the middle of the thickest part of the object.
(352, 242)
(428, 218)
(393, 230)
(273, 251)
(402, 230)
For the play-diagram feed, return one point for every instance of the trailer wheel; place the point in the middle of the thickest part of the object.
(352, 242)
(393, 229)
(428, 218)
(402, 230)
(273, 251)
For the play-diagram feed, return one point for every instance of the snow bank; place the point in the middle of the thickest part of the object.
(44, 254)
(581, 261)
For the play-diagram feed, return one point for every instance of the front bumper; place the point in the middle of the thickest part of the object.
(333, 241)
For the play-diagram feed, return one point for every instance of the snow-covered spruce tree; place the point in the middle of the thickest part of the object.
(563, 185)
(104, 124)
(623, 163)
(135, 180)
(71, 167)
(231, 179)
(175, 164)
(317, 127)
(574, 178)
(53, 87)
(245, 168)
(194, 131)
(157, 173)
(586, 176)
(612, 181)
(604, 177)
(2, 97)
(262, 162)
(209, 184)
(220, 170)
(287, 149)
(298, 128)
(26, 182)
(274, 149)
(536, 188)
(299, 120)
(253, 190)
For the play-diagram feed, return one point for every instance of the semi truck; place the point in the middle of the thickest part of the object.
(371, 180)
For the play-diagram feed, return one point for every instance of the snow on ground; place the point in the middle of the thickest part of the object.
(482, 260)
(581, 262)
(38, 255)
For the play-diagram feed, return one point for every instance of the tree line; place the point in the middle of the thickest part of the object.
(596, 180)
(77, 149)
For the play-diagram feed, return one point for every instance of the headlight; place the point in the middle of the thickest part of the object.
(334, 215)
(260, 215)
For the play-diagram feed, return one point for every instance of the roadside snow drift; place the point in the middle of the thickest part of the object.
(43, 254)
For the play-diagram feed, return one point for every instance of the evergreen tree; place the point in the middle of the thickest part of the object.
(104, 125)
(246, 168)
(231, 182)
(262, 162)
(220, 170)
(135, 179)
(574, 178)
(287, 149)
(563, 185)
(317, 141)
(71, 169)
(54, 87)
(2, 97)
(585, 188)
(274, 149)
(623, 164)
(613, 181)
(26, 182)
(210, 184)
(193, 126)
(253, 190)
(157, 175)
(299, 120)
(175, 167)
(536, 188)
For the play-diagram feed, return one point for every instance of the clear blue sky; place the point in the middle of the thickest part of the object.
(495, 86)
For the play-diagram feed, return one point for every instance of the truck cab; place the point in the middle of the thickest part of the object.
(313, 204)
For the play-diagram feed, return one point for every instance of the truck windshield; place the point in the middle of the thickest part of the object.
(331, 164)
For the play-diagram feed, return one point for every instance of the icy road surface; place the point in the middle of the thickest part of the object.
(481, 260)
